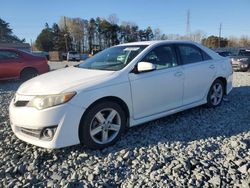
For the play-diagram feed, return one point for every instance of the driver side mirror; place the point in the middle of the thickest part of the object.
(145, 67)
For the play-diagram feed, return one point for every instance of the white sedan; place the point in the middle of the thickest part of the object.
(120, 87)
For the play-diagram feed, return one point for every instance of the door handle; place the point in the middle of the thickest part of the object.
(178, 74)
(211, 66)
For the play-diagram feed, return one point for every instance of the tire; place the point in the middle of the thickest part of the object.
(215, 94)
(102, 125)
(28, 73)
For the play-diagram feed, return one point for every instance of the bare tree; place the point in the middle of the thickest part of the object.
(244, 41)
(233, 41)
(197, 36)
(157, 34)
(113, 19)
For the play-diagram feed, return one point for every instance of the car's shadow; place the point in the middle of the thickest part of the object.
(229, 119)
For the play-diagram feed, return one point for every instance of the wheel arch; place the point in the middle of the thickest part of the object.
(224, 81)
(115, 99)
(27, 68)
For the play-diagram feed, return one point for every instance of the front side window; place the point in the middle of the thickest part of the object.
(5, 54)
(190, 54)
(162, 57)
(113, 59)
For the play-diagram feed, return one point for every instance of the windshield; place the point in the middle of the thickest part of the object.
(114, 59)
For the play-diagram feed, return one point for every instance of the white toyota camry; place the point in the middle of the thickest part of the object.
(120, 87)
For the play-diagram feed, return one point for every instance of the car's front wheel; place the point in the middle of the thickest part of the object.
(28, 73)
(215, 94)
(102, 125)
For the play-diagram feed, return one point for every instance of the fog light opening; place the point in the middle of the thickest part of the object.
(48, 133)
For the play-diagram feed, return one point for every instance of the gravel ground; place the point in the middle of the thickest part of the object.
(61, 64)
(199, 147)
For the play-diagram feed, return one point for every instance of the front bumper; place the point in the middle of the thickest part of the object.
(65, 117)
(229, 84)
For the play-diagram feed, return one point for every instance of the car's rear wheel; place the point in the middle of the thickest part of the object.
(28, 73)
(215, 94)
(102, 125)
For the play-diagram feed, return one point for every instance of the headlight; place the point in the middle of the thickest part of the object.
(46, 101)
(244, 65)
(242, 59)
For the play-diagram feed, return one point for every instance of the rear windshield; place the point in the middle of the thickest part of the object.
(244, 53)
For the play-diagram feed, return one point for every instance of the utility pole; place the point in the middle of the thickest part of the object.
(31, 44)
(188, 24)
(66, 34)
(219, 35)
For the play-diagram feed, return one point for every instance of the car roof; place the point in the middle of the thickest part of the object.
(13, 49)
(210, 52)
(157, 42)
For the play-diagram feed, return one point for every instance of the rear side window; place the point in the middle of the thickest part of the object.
(192, 54)
(5, 54)
(205, 56)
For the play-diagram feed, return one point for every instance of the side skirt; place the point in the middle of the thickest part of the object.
(134, 122)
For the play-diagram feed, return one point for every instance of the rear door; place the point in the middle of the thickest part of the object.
(10, 64)
(199, 70)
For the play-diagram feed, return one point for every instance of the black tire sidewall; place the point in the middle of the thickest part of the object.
(84, 128)
(28, 73)
(209, 102)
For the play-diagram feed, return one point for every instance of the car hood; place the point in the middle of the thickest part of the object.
(58, 81)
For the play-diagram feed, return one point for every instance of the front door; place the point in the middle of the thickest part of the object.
(9, 64)
(159, 90)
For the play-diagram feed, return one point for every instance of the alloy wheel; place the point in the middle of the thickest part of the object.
(217, 94)
(105, 126)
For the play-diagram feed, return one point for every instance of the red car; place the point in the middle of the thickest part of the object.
(15, 64)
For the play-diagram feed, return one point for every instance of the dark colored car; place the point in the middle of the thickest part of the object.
(241, 61)
(73, 56)
(15, 64)
(41, 54)
(225, 53)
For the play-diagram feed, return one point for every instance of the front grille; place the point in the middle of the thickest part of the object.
(32, 132)
(235, 66)
(21, 103)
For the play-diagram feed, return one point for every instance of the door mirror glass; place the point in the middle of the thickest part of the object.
(145, 67)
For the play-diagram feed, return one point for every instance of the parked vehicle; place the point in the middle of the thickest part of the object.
(41, 54)
(94, 102)
(225, 53)
(15, 64)
(84, 56)
(241, 60)
(73, 56)
(64, 56)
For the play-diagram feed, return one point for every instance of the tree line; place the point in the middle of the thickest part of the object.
(96, 34)
(216, 42)
(88, 35)
(6, 33)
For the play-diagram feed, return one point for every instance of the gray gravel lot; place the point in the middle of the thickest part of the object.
(199, 147)
(61, 64)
